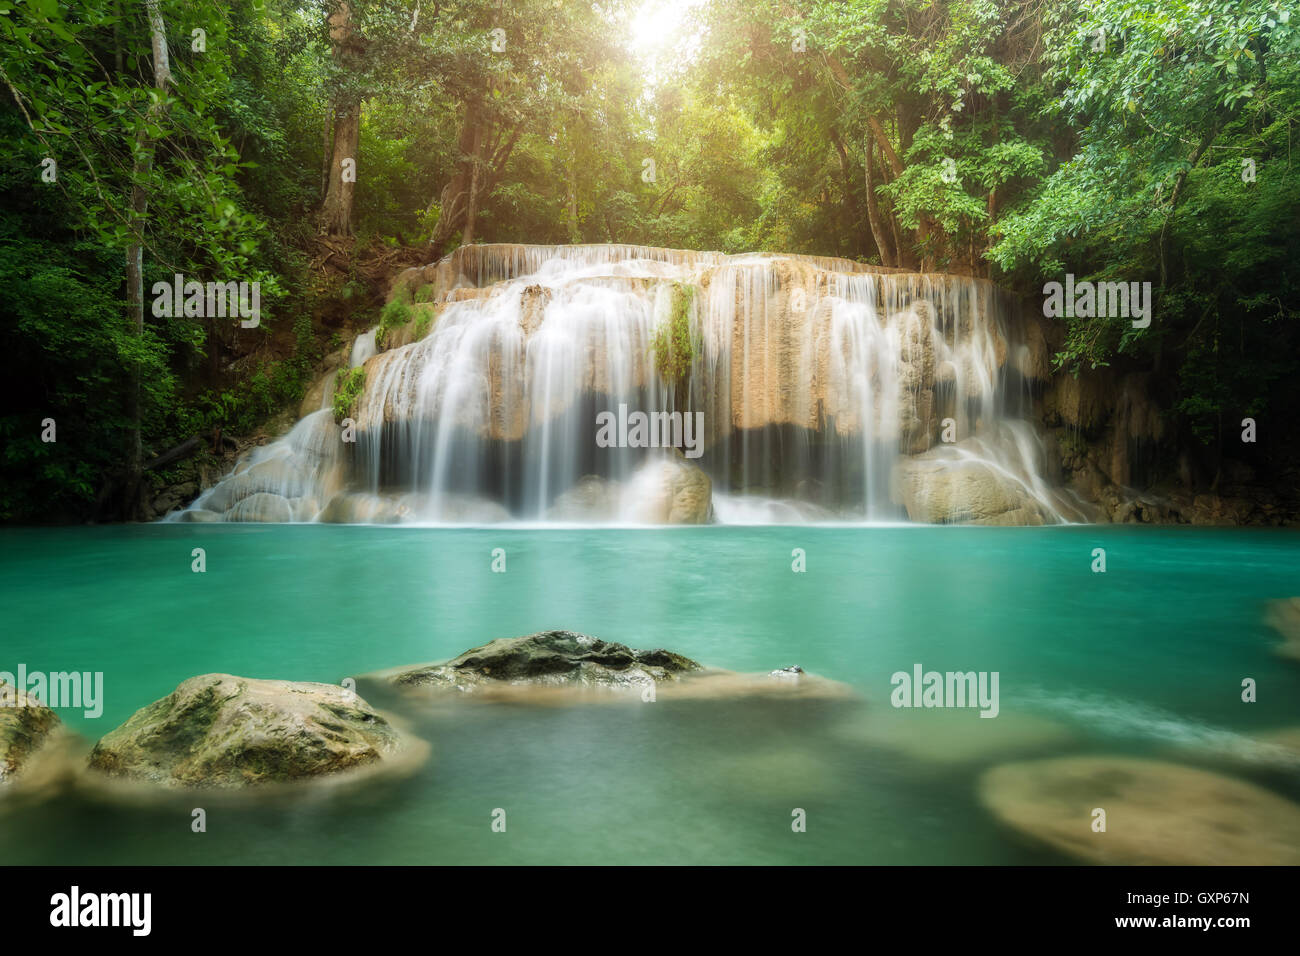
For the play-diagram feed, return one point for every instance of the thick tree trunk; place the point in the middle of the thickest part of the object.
(453, 201)
(336, 208)
(141, 169)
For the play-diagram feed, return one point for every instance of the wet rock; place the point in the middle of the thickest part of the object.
(276, 476)
(1156, 813)
(938, 488)
(221, 731)
(319, 395)
(261, 506)
(538, 665)
(548, 658)
(947, 737)
(1284, 617)
(362, 508)
(592, 498)
(26, 725)
(670, 490)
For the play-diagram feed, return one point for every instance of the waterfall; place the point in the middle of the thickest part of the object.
(827, 390)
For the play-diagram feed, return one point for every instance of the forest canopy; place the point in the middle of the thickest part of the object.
(313, 145)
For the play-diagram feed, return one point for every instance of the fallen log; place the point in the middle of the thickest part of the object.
(186, 448)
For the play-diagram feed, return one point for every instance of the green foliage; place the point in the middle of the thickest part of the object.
(970, 136)
(672, 342)
(424, 322)
(395, 315)
(1174, 112)
(351, 383)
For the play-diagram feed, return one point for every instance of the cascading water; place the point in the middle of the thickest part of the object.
(826, 389)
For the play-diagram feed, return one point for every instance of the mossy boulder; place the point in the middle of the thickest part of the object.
(26, 725)
(221, 731)
(551, 666)
(548, 658)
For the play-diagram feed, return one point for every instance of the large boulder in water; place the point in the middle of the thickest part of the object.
(1156, 813)
(552, 664)
(221, 731)
(669, 490)
(938, 488)
(26, 725)
(548, 658)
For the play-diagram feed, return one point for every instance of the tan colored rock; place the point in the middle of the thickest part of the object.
(319, 395)
(275, 476)
(1031, 357)
(261, 506)
(1284, 617)
(1082, 402)
(1156, 813)
(670, 490)
(944, 490)
(222, 731)
(592, 498)
(950, 736)
(557, 667)
(26, 725)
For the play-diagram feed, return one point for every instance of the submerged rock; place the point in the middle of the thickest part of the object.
(1156, 813)
(221, 731)
(1284, 617)
(26, 725)
(948, 737)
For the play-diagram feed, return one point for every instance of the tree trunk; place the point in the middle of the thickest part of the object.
(336, 208)
(453, 201)
(141, 168)
(574, 235)
(327, 141)
(475, 177)
(888, 257)
(850, 208)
